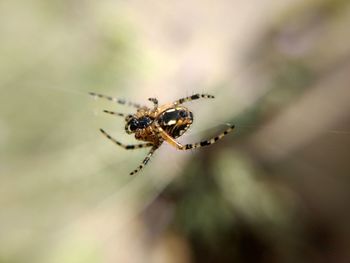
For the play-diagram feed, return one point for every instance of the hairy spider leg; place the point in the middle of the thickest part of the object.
(179, 146)
(126, 116)
(193, 97)
(117, 113)
(126, 128)
(120, 101)
(155, 102)
(145, 161)
(126, 146)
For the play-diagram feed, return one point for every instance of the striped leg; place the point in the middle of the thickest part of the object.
(145, 161)
(155, 102)
(210, 141)
(120, 101)
(193, 97)
(179, 146)
(117, 113)
(126, 116)
(125, 146)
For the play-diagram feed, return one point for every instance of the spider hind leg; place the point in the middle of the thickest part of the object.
(179, 146)
(208, 142)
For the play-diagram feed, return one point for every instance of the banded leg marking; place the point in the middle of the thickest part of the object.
(145, 161)
(210, 141)
(179, 146)
(155, 102)
(126, 146)
(194, 97)
(117, 113)
(120, 101)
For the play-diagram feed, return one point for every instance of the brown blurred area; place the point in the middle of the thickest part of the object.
(275, 190)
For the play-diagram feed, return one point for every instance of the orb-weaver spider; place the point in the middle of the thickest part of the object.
(158, 124)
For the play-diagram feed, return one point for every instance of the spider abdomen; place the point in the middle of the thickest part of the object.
(176, 121)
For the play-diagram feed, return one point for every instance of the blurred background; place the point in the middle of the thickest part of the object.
(275, 190)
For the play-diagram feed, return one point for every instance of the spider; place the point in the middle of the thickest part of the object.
(158, 124)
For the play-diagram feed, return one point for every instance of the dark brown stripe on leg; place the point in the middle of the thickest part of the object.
(204, 143)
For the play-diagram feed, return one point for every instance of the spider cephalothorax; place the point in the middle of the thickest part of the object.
(158, 124)
(134, 124)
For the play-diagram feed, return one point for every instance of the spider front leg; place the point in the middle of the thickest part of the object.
(193, 97)
(118, 114)
(145, 161)
(126, 146)
(126, 116)
(120, 101)
(179, 146)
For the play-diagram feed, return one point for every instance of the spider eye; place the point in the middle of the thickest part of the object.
(183, 114)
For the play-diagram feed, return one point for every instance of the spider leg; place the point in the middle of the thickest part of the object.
(155, 102)
(210, 141)
(126, 128)
(179, 146)
(126, 116)
(120, 101)
(145, 161)
(193, 97)
(117, 113)
(126, 146)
